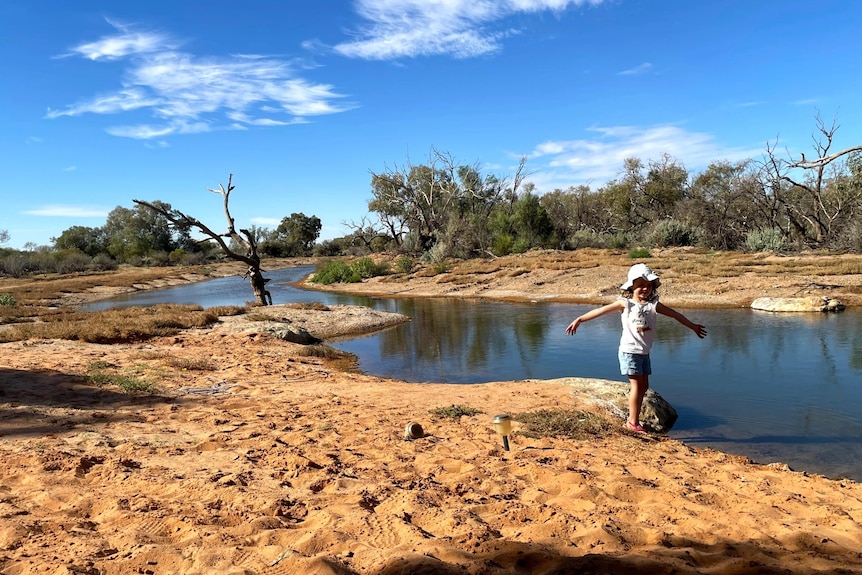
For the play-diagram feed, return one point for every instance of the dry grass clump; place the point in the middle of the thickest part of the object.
(102, 374)
(191, 364)
(571, 423)
(335, 359)
(454, 411)
(228, 310)
(185, 363)
(114, 325)
(313, 306)
(322, 351)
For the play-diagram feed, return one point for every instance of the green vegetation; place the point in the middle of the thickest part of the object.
(639, 253)
(7, 300)
(443, 210)
(127, 383)
(765, 240)
(339, 271)
(336, 271)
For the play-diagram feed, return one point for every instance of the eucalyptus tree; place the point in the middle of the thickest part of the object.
(91, 241)
(643, 195)
(139, 232)
(295, 236)
(720, 203)
(442, 203)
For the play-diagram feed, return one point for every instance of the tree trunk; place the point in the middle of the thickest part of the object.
(258, 285)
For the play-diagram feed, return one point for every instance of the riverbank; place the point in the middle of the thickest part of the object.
(256, 456)
(690, 278)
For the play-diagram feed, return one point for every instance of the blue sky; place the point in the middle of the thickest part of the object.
(106, 101)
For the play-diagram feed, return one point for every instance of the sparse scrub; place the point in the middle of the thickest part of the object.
(191, 364)
(586, 239)
(669, 233)
(404, 264)
(7, 300)
(323, 351)
(114, 325)
(764, 240)
(366, 268)
(639, 253)
(454, 411)
(570, 423)
(127, 383)
(313, 306)
(227, 310)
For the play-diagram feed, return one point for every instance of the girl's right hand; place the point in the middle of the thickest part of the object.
(573, 327)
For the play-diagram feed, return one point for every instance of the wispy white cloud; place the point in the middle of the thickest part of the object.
(560, 164)
(66, 211)
(187, 93)
(459, 28)
(70, 168)
(149, 131)
(637, 70)
(120, 101)
(33, 140)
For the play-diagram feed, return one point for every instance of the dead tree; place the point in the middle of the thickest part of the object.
(245, 239)
(816, 210)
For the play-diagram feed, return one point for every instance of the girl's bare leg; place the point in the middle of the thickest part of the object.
(639, 384)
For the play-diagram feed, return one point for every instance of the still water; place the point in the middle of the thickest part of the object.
(774, 387)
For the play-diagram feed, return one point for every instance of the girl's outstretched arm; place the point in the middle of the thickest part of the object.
(670, 312)
(593, 314)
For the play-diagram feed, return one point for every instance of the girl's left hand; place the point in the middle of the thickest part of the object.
(699, 330)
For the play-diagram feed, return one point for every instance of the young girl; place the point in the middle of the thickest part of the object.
(639, 307)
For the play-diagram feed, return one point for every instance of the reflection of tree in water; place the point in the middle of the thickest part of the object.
(455, 340)
(463, 336)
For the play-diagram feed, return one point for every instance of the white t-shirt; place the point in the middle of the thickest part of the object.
(639, 323)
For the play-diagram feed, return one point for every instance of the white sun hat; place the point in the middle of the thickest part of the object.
(640, 271)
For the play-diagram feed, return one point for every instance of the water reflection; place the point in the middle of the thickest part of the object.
(775, 387)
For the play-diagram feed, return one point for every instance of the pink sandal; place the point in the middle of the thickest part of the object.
(635, 427)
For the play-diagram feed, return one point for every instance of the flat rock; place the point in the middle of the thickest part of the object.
(656, 413)
(807, 304)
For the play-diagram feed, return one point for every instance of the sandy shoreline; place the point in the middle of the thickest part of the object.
(275, 463)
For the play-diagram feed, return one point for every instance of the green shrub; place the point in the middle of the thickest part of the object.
(618, 241)
(638, 253)
(7, 300)
(104, 262)
(503, 245)
(586, 239)
(764, 240)
(336, 272)
(520, 246)
(669, 233)
(404, 264)
(367, 268)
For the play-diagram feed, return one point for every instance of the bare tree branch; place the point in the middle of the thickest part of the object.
(246, 240)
